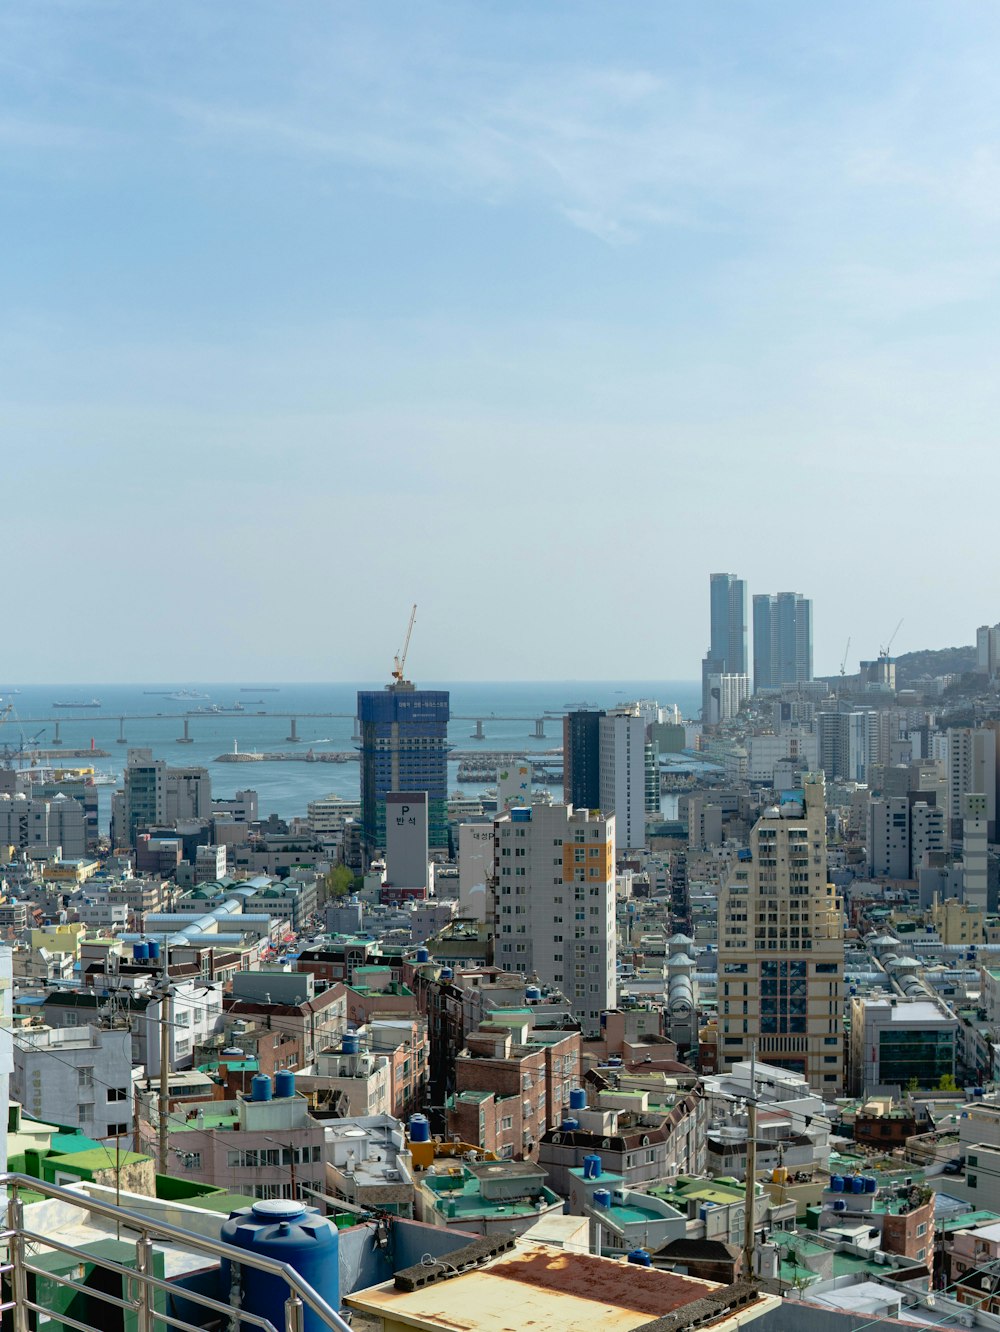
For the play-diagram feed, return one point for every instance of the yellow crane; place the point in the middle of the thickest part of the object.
(399, 661)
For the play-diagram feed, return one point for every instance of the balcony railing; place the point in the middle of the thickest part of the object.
(139, 1284)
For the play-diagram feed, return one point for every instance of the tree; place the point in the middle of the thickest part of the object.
(339, 881)
(947, 1083)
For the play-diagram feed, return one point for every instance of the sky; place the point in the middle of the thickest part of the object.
(531, 313)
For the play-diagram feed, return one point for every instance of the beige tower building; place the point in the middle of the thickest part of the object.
(781, 946)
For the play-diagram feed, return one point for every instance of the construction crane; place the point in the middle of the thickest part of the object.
(843, 664)
(399, 661)
(884, 652)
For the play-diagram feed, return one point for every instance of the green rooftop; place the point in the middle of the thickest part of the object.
(466, 1202)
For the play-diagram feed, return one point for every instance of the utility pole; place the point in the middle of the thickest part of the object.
(751, 1181)
(166, 1025)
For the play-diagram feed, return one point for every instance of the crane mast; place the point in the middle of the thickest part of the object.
(399, 661)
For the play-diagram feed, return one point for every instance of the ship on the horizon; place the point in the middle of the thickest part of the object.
(79, 703)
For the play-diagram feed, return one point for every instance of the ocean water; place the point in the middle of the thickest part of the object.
(156, 722)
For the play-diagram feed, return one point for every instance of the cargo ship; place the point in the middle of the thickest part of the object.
(83, 703)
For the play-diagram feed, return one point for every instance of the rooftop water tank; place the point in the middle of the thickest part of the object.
(577, 1098)
(532, 994)
(140, 952)
(286, 1231)
(640, 1257)
(569, 1124)
(423, 955)
(602, 1197)
(154, 950)
(284, 1083)
(592, 1167)
(779, 1175)
(857, 1184)
(351, 1042)
(446, 973)
(260, 1087)
(839, 1205)
(871, 1184)
(837, 1183)
(420, 1128)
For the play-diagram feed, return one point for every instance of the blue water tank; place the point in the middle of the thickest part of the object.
(602, 1197)
(568, 1124)
(857, 1184)
(446, 973)
(640, 1257)
(154, 950)
(577, 1098)
(420, 1128)
(290, 1233)
(871, 1184)
(351, 1043)
(592, 1167)
(837, 1183)
(423, 955)
(839, 1205)
(140, 952)
(532, 994)
(260, 1087)
(978, 1091)
(284, 1083)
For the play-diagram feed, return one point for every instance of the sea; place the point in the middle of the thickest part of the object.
(133, 716)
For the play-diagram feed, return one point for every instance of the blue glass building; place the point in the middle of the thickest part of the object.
(404, 747)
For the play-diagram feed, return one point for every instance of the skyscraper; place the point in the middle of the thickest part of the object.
(582, 759)
(728, 608)
(782, 640)
(404, 747)
(623, 775)
(781, 946)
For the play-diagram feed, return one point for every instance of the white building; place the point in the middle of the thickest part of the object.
(76, 1075)
(799, 744)
(975, 849)
(475, 868)
(406, 840)
(726, 695)
(928, 827)
(40, 824)
(623, 776)
(554, 914)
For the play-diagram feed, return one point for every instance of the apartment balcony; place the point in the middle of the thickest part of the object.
(37, 1287)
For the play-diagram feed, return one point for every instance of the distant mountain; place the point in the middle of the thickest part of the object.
(911, 666)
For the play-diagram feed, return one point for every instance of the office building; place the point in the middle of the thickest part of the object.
(42, 826)
(554, 911)
(895, 1042)
(782, 640)
(582, 759)
(988, 650)
(972, 757)
(728, 605)
(406, 845)
(623, 775)
(404, 747)
(781, 946)
(158, 795)
(475, 868)
(889, 837)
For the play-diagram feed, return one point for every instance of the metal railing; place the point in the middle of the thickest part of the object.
(139, 1283)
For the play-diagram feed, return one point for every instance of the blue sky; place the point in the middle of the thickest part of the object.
(532, 313)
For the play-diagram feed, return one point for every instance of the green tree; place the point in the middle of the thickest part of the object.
(339, 882)
(947, 1083)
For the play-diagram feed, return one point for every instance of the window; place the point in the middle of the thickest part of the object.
(117, 1093)
(117, 1131)
(85, 1077)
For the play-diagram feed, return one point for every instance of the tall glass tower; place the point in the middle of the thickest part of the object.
(404, 747)
(728, 599)
(782, 640)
